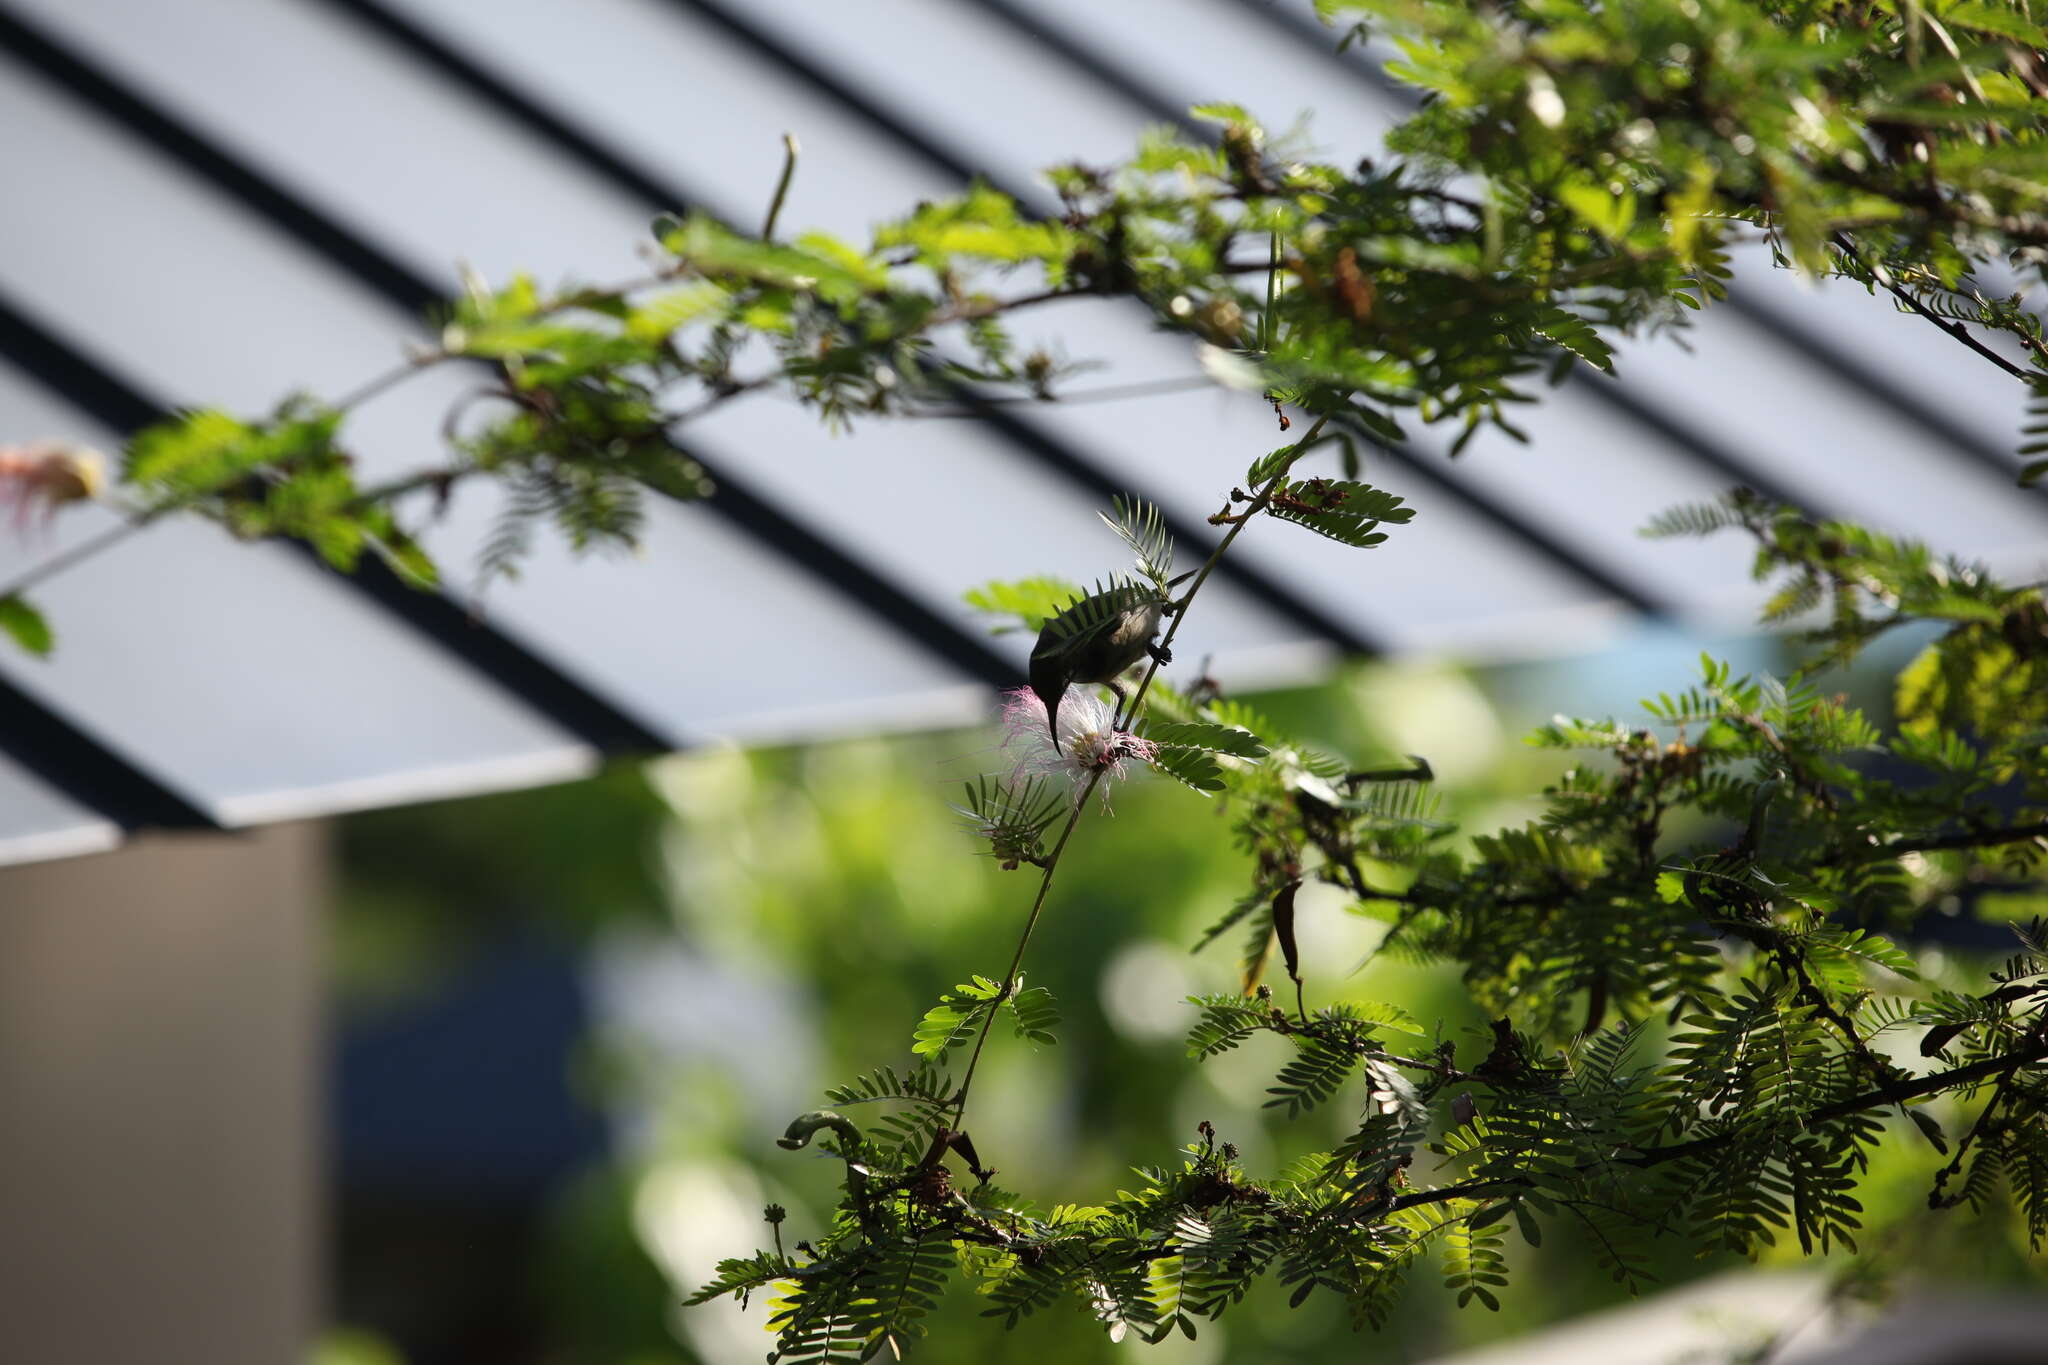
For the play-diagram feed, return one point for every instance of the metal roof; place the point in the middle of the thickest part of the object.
(221, 201)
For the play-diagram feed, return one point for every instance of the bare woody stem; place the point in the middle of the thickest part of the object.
(1125, 715)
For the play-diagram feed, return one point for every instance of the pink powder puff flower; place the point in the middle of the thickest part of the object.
(1089, 740)
(50, 474)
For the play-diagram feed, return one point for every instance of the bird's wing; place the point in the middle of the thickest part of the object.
(1087, 620)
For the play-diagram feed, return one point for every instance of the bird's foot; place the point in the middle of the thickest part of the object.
(1161, 653)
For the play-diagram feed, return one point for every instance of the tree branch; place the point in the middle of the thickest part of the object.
(1935, 1199)
(1876, 1097)
(2009, 834)
(1955, 329)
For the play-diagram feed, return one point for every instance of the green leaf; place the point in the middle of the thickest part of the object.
(1226, 1021)
(1196, 734)
(1028, 603)
(1314, 1074)
(1999, 19)
(1267, 465)
(1037, 1014)
(1013, 816)
(26, 625)
(820, 266)
(1868, 946)
(943, 1026)
(1083, 623)
(409, 559)
(982, 224)
(1487, 1217)
(1141, 525)
(657, 317)
(1385, 1014)
(1191, 767)
(1340, 509)
(1607, 213)
(1577, 336)
(953, 1021)
(1221, 111)
(1460, 260)
(202, 452)
(1531, 1232)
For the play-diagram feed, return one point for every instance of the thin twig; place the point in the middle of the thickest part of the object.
(974, 309)
(789, 152)
(1052, 862)
(722, 394)
(1108, 393)
(392, 377)
(437, 478)
(77, 554)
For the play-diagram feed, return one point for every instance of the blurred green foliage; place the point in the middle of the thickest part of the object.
(842, 870)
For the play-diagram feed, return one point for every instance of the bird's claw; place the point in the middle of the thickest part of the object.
(1161, 653)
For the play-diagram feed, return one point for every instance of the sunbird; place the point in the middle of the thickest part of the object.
(1094, 641)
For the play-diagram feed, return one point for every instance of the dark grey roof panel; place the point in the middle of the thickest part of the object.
(812, 471)
(238, 281)
(38, 823)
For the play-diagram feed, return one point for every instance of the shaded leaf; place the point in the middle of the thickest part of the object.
(25, 625)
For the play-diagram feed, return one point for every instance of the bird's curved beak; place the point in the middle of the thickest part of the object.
(1051, 697)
